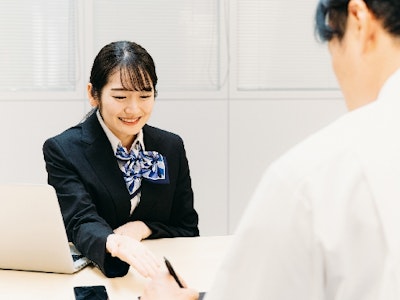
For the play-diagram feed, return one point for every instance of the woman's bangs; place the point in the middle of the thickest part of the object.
(135, 79)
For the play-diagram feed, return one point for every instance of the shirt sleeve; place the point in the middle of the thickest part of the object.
(183, 221)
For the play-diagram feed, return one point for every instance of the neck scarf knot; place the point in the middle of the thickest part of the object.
(138, 164)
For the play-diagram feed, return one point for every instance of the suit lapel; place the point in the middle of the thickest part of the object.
(151, 194)
(101, 157)
(151, 138)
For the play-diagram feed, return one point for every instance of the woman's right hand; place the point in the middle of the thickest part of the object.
(134, 253)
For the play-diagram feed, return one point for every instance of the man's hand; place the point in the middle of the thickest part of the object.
(164, 287)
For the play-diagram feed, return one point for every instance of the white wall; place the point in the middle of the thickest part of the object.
(24, 126)
(221, 129)
(261, 134)
(219, 136)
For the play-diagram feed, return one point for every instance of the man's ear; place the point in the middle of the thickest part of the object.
(363, 23)
(92, 100)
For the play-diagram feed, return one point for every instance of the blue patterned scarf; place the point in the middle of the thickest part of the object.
(139, 164)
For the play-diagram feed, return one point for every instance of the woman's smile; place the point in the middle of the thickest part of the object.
(124, 111)
(130, 121)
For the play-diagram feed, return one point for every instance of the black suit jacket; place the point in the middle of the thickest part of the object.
(94, 199)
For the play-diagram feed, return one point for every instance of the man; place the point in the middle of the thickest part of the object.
(325, 220)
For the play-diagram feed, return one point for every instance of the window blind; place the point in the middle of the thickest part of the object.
(182, 36)
(38, 45)
(277, 49)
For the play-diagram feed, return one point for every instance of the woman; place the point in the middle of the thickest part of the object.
(324, 222)
(119, 180)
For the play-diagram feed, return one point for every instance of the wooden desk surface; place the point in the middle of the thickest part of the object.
(195, 259)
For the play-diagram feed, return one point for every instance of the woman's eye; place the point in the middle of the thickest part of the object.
(119, 97)
(144, 96)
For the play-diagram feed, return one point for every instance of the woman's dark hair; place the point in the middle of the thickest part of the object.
(136, 67)
(331, 17)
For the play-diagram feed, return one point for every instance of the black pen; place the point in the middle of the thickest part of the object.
(172, 272)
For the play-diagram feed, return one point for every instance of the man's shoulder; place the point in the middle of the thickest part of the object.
(319, 149)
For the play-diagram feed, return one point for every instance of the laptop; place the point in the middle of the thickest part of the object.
(32, 231)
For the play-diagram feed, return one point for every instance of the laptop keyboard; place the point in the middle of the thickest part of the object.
(76, 257)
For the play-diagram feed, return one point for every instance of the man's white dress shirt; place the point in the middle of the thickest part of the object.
(324, 222)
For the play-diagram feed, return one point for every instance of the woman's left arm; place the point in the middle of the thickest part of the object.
(183, 218)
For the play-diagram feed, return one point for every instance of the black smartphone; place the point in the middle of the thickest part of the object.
(94, 292)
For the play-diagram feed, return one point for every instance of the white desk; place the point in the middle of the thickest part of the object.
(195, 259)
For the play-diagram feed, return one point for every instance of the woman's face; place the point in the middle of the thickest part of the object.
(125, 112)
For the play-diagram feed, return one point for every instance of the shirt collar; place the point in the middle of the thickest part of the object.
(390, 87)
(114, 141)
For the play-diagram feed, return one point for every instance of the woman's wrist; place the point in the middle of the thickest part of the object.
(145, 230)
(110, 243)
(137, 230)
